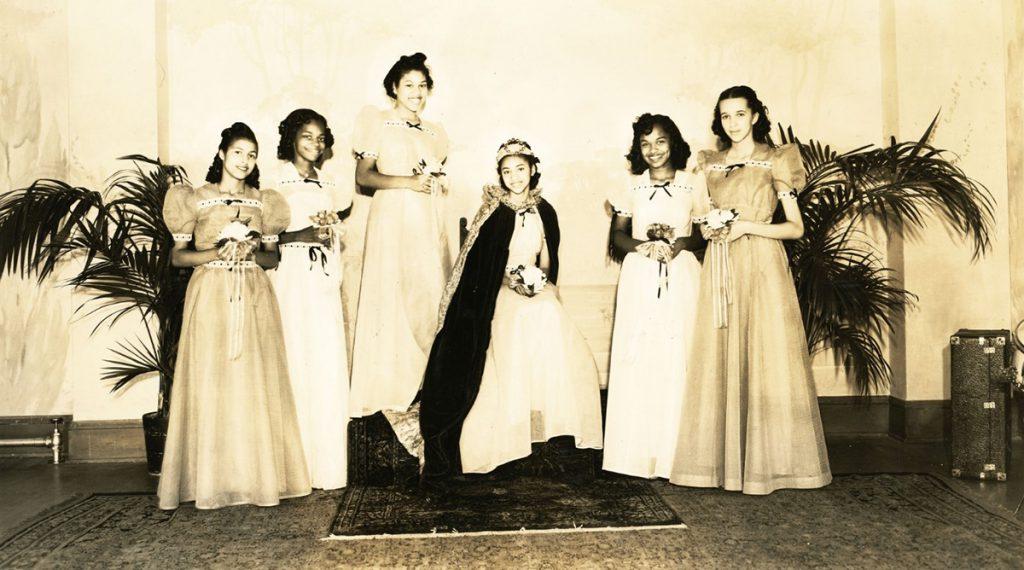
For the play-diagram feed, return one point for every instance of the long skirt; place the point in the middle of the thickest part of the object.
(308, 287)
(540, 381)
(750, 411)
(655, 308)
(233, 436)
(405, 265)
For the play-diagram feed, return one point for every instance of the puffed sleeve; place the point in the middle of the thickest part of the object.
(366, 133)
(788, 169)
(180, 212)
(276, 214)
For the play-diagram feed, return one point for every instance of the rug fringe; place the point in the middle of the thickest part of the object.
(501, 532)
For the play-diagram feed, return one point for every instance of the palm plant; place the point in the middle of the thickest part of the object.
(126, 251)
(847, 297)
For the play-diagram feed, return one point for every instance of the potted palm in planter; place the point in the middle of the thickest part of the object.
(125, 248)
(847, 297)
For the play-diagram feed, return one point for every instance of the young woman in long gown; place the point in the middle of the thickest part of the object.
(406, 259)
(750, 418)
(308, 287)
(656, 300)
(233, 437)
(508, 367)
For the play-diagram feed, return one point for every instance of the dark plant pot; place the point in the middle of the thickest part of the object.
(155, 427)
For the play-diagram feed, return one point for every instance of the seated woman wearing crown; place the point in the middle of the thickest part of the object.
(507, 367)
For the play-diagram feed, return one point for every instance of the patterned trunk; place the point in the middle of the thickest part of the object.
(980, 367)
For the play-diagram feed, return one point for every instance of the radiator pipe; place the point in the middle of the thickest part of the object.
(52, 441)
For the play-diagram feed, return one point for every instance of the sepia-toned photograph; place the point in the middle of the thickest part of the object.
(459, 283)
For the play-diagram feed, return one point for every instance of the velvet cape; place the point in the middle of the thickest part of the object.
(456, 363)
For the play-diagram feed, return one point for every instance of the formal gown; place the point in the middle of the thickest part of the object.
(539, 379)
(308, 287)
(233, 436)
(750, 419)
(405, 264)
(655, 308)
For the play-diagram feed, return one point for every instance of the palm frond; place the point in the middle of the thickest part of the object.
(126, 248)
(860, 354)
(117, 288)
(840, 283)
(140, 193)
(131, 360)
(908, 184)
(847, 297)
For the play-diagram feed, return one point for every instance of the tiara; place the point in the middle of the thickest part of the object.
(514, 147)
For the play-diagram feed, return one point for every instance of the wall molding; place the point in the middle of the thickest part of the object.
(107, 440)
(854, 415)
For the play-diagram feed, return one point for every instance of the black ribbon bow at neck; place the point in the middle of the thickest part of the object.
(522, 214)
(729, 168)
(414, 126)
(313, 181)
(662, 186)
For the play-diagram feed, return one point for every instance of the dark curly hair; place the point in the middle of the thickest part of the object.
(679, 151)
(529, 158)
(290, 126)
(237, 131)
(762, 128)
(405, 64)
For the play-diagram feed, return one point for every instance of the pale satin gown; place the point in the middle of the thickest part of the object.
(308, 287)
(540, 380)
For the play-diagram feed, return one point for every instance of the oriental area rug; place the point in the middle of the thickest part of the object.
(907, 520)
(519, 504)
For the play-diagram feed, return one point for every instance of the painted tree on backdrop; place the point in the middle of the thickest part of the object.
(126, 251)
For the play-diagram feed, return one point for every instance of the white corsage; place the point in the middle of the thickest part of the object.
(237, 230)
(531, 278)
(237, 236)
(717, 223)
(719, 219)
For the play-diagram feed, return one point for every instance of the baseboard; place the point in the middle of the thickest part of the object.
(107, 440)
(26, 427)
(854, 415)
(919, 420)
(123, 440)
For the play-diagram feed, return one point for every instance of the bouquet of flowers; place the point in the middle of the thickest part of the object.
(327, 225)
(717, 223)
(530, 279)
(237, 237)
(436, 171)
(715, 227)
(659, 248)
(661, 232)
